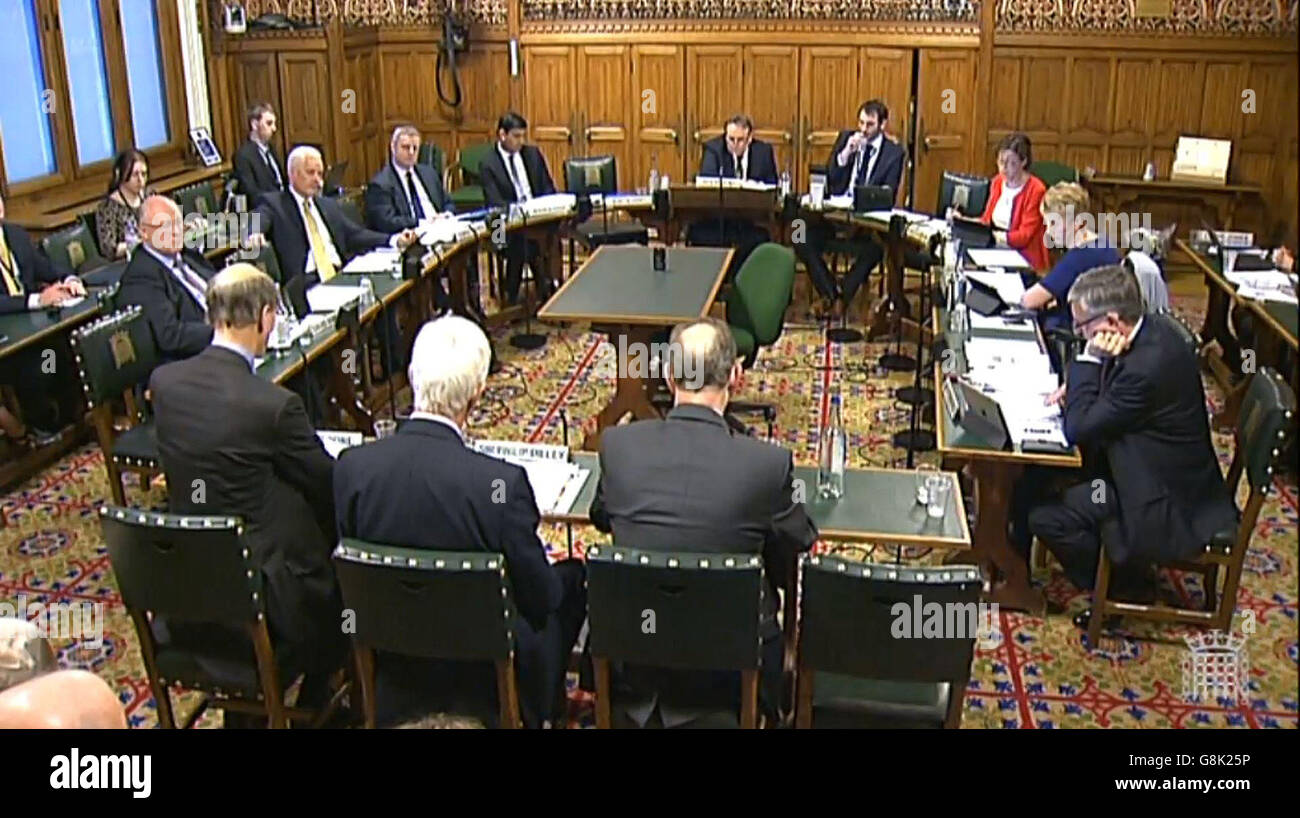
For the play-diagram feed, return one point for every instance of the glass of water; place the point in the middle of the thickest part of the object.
(924, 471)
(938, 489)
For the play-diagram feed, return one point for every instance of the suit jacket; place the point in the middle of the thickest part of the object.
(888, 169)
(35, 269)
(687, 484)
(282, 223)
(254, 177)
(1147, 414)
(251, 444)
(424, 488)
(180, 327)
(1027, 229)
(387, 207)
(498, 189)
(717, 160)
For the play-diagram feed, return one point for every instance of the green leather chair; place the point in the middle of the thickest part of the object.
(853, 672)
(431, 154)
(1263, 424)
(74, 247)
(114, 355)
(467, 193)
(756, 313)
(599, 174)
(430, 604)
(197, 570)
(707, 609)
(977, 193)
(1052, 172)
(199, 197)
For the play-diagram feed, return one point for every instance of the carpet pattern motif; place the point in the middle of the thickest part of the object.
(1032, 672)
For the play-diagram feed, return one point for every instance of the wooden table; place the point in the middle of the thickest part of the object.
(994, 472)
(1276, 342)
(619, 293)
(1220, 202)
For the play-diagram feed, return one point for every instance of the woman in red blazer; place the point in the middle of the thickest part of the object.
(1015, 197)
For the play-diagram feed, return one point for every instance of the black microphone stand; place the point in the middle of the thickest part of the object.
(896, 361)
(528, 339)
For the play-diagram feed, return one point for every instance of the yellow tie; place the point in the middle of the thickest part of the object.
(324, 267)
(13, 284)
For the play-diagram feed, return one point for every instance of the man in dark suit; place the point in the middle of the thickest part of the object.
(1135, 404)
(404, 193)
(30, 281)
(516, 172)
(169, 283)
(232, 443)
(424, 488)
(257, 168)
(735, 155)
(686, 483)
(859, 157)
(311, 235)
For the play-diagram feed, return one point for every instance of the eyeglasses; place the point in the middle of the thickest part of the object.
(1080, 327)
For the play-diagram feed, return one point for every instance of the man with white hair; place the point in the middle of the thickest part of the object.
(169, 282)
(424, 488)
(312, 236)
(404, 193)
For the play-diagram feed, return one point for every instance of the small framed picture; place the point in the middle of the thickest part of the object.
(206, 148)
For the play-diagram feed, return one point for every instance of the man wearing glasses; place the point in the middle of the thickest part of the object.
(1135, 406)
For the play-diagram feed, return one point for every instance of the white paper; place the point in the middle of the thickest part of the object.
(615, 201)
(550, 205)
(555, 481)
(71, 302)
(886, 215)
(998, 257)
(996, 322)
(443, 231)
(379, 260)
(331, 297)
(335, 441)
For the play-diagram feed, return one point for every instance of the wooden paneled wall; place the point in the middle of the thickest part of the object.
(647, 95)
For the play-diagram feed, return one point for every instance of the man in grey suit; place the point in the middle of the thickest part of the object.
(686, 483)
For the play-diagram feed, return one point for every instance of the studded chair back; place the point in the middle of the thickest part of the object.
(430, 604)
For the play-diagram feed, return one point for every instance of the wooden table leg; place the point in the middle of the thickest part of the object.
(344, 389)
(632, 391)
(1008, 573)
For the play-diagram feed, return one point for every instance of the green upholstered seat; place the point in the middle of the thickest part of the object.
(468, 195)
(431, 154)
(756, 307)
(429, 604)
(75, 248)
(1052, 172)
(199, 197)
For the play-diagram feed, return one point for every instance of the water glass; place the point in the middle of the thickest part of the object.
(924, 472)
(385, 427)
(938, 489)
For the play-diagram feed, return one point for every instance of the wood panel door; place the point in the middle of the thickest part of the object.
(552, 115)
(886, 74)
(659, 112)
(772, 99)
(257, 79)
(485, 94)
(306, 114)
(715, 92)
(604, 93)
(945, 114)
(828, 100)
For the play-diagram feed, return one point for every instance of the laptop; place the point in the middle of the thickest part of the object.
(981, 415)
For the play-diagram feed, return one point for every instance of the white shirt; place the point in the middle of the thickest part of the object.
(265, 150)
(742, 164)
(517, 173)
(314, 213)
(426, 204)
(875, 144)
(443, 419)
(1002, 208)
(201, 298)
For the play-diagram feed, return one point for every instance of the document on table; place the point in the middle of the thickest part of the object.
(1025, 325)
(1265, 285)
(1010, 357)
(442, 231)
(1010, 286)
(998, 257)
(1022, 398)
(830, 202)
(550, 204)
(332, 297)
(886, 215)
(556, 482)
(335, 441)
(379, 260)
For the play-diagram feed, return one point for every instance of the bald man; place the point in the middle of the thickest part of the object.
(169, 282)
(65, 699)
(251, 444)
(685, 483)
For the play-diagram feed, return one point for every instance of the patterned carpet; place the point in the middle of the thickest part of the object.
(1034, 672)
